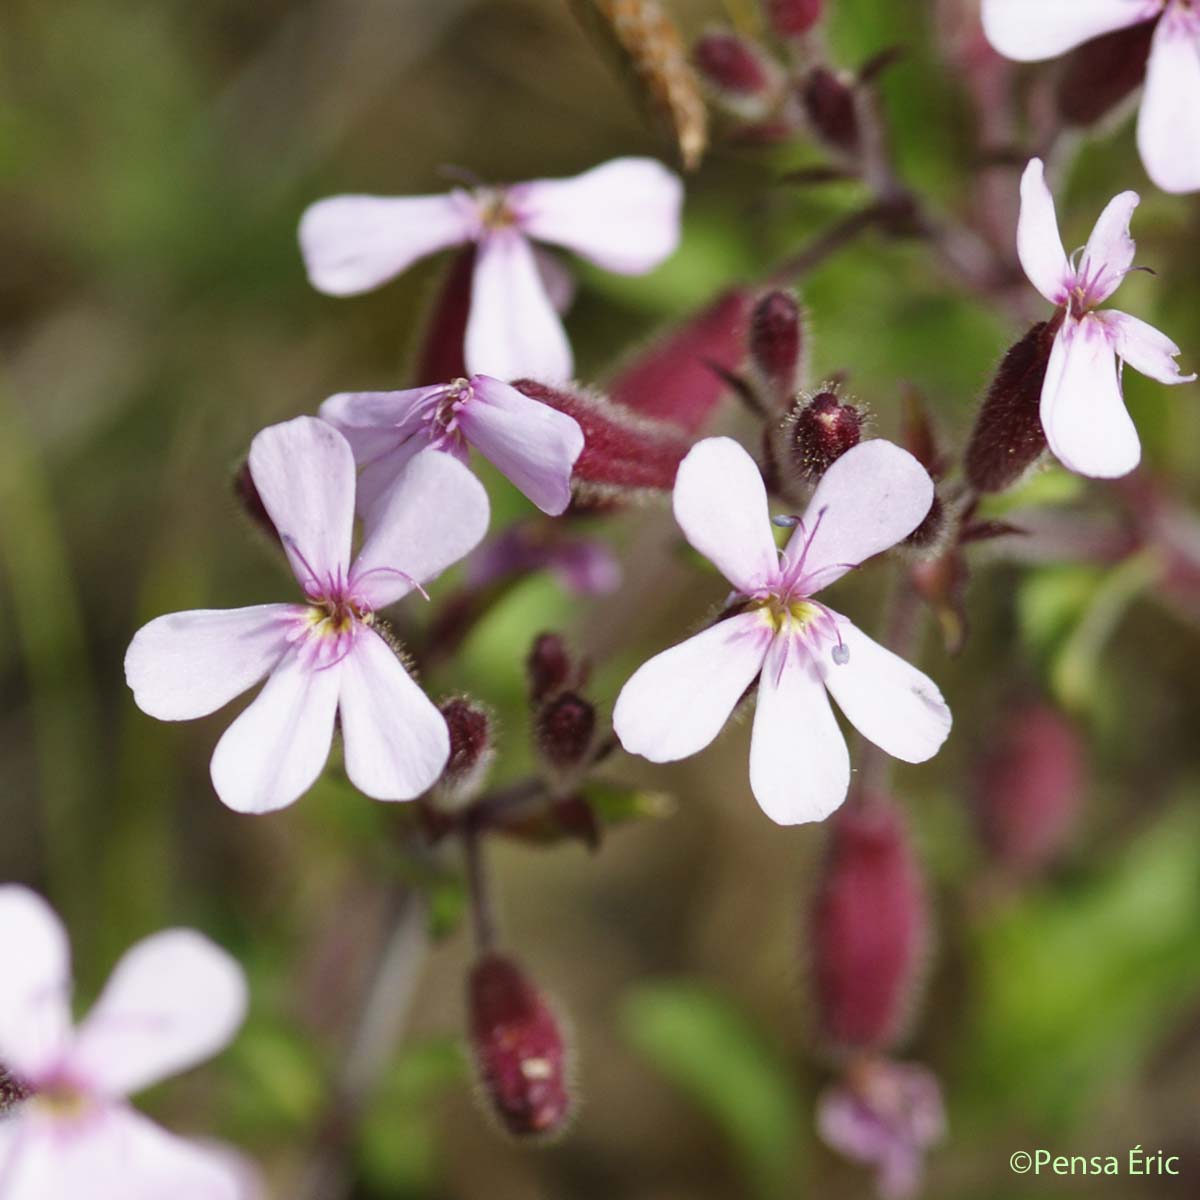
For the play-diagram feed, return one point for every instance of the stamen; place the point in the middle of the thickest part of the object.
(313, 585)
(808, 541)
(413, 583)
(785, 521)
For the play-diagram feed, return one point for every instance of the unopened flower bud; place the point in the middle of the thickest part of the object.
(818, 432)
(869, 928)
(776, 339)
(439, 351)
(737, 71)
(471, 752)
(1099, 74)
(793, 18)
(519, 1049)
(1008, 437)
(251, 503)
(549, 667)
(828, 102)
(930, 531)
(1030, 788)
(565, 730)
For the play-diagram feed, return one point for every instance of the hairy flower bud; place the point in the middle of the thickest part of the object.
(776, 341)
(929, 533)
(519, 1049)
(1098, 75)
(471, 752)
(793, 18)
(817, 432)
(1008, 437)
(565, 729)
(828, 102)
(869, 928)
(737, 71)
(549, 667)
(1030, 787)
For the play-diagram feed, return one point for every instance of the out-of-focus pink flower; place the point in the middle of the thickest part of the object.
(174, 1000)
(583, 566)
(533, 444)
(1082, 408)
(885, 1115)
(1169, 121)
(622, 215)
(797, 648)
(324, 657)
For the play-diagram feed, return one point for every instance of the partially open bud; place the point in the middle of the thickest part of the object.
(828, 102)
(1098, 75)
(793, 18)
(565, 730)
(869, 928)
(816, 433)
(776, 340)
(519, 1049)
(1030, 788)
(737, 71)
(471, 753)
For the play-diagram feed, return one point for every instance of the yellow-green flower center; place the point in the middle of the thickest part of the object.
(786, 615)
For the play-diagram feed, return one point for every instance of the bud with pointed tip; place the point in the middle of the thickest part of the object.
(869, 928)
(471, 753)
(793, 18)
(828, 102)
(737, 71)
(776, 342)
(565, 730)
(519, 1049)
(816, 433)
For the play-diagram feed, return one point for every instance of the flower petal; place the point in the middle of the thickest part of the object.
(1143, 347)
(35, 997)
(534, 445)
(352, 244)
(622, 215)
(274, 752)
(799, 764)
(872, 497)
(720, 503)
(1168, 131)
(1109, 252)
(888, 701)
(435, 514)
(1083, 411)
(513, 330)
(1039, 245)
(375, 423)
(1028, 30)
(396, 740)
(189, 664)
(675, 704)
(174, 1000)
(304, 472)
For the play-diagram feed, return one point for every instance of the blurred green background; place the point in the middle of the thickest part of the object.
(154, 161)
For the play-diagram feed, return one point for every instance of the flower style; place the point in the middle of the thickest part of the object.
(533, 444)
(174, 1000)
(622, 215)
(325, 656)
(675, 704)
(1168, 130)
(1082, 406)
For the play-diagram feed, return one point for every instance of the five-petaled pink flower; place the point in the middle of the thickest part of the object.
(324, 657)
(174, 1000)
(622, 215)
(1082, 407)
(533, 444)
(796, 647)
(1168, 131)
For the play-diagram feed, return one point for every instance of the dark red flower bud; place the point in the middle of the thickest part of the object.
(1008, 437)
(1098, 75)
(549, 667)
(869, 928)
(793, 18)
(776, 340)
(565, 728)
(819, 431)
(471, 752)
(931, 529)
(737, 71)
(828, 102)
(1030, 787)
(251, 503)
(671, 379)
(623, 453)
(519, 1049)
(439, 353)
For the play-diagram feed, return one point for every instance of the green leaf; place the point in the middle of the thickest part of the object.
(617, 803)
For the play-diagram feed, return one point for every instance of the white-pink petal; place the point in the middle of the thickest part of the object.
(1028, 30)
(304, 472)
(1083, 411)
(173, 1000)
(799, 764)
(1143, 347)
(434, 514)
(872, 497)
(512, 329)
(275, 750)
(1039, 244)
(188, 664)
(352, 244)
(1109, 252)
(35, 991)
(675, 704)
(375, 423)
(1168, 131)
(886, 699)
(622, 215)
(534, 445)
(720, 503)
(395, 739)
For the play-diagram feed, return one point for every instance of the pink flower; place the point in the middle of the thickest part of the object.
(174, 1000)
(533, 444)
(1169, 122)
(674, 705)
(622, 215)
(1082, 406)
(324, 657)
